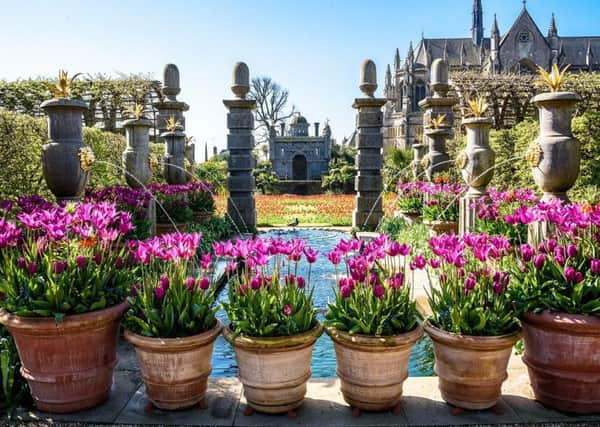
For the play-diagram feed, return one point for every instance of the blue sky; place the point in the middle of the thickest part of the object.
(313, 48)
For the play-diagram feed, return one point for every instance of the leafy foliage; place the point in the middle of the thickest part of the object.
(216, 229)
(214, 172)
(396, 167)
(14, 389)
(265, 178)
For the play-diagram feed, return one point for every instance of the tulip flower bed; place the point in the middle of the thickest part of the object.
(317, 210)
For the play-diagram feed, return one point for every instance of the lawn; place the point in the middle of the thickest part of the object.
(317, 210)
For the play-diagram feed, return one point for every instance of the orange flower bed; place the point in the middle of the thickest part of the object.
(321, 209)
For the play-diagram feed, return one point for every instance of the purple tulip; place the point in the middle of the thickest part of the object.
(204, 283)
(559, 259)
(22, 263)
(572, 250)
(287, 310)
(119, 263)
(81, 261)
(164, 282)
(378, 291)
(190, 283)
(539, 260)
(595, 266)
(570, 274)
(300, 282)
(311, 255)
(527, 252)
(32, 267)
(159, 292)
(346, 291)
(97, 258)
(470, 283)
(59, 266)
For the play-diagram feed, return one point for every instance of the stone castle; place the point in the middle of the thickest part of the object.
(520, 49)
(297, 156)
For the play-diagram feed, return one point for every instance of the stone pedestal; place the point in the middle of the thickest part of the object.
(174, 157)
(136, 157)
(439, 104)
(62, 169)
(368, 205)
(476, 163)
(240, 143)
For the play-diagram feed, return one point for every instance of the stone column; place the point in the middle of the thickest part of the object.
(174, 158)
(437, 160)
(65, 158)
(240, 143)
(476, 164)
(368, 206)
(169, 106)
(136, 157)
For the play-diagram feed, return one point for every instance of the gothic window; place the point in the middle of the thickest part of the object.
(419, 91)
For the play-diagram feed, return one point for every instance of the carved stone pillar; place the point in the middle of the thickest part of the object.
(136, 157)
(440, 104)
(368, 205)
(476, 163)
(241, 206)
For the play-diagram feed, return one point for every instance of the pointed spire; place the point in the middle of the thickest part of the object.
(411, 52)
(388, 76)
(552, 30)
(477, 28)
(495, 29)
(206, 151)
(462, 53)
(445, 51)
(524, 4)
(589, 55)
(397, 60)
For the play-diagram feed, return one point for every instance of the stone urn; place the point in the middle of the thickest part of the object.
(174, 159)
(274, 371)
(175, 370)
(437, 160)
(136, 157)
(65, 175)
(476, 161)
(372, 369)
(555, 156)
(471, 369)
(416, 165)
(68, 365)
(561, 354)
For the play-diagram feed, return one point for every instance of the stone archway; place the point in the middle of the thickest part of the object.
(299, 168)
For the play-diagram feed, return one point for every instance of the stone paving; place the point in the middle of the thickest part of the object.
(324, 406)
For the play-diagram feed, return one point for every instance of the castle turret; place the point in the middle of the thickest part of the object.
(397, 64)
(495, 47)
(388, 92)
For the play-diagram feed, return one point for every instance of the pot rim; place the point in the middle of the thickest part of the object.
(361, 340)
(297, 340)
(137, 122)
(67, 103)
(439, 222)
(472, 342)
(562, 97)
(46, 325)
(174, 344)
(478, 121)
(572, 323)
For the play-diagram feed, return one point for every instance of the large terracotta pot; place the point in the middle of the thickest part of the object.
(175, 370)
(68, 365)
(471, 369)
(442, 227)
(202, 216)
(170, 228)
(274, 371)
(373, 369)
(562, 354)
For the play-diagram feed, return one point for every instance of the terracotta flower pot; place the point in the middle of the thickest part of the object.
(202, 216)
(68, 365)
(442, 227)
(562, 357)
(373, 369)
(471, 369)
(274, 371)
(175, 370)
(170, 228)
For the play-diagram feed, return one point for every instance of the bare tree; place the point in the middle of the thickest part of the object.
(271, 106)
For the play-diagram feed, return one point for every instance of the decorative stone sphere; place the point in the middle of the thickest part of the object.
(368, 78)
(241, 80)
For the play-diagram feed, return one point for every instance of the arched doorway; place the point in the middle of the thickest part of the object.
(299, 169)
